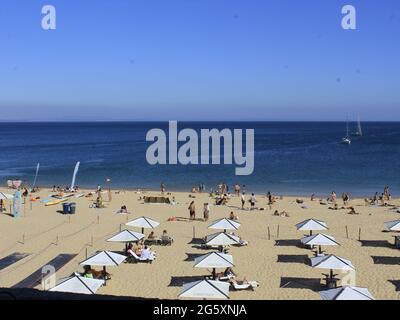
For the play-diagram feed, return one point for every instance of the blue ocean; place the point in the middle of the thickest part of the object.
(290, 157)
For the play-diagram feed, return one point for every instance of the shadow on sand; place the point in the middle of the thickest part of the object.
(294, 258)
(302, 283)
(386, 260)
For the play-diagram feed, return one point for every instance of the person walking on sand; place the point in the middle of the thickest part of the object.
(162, 187)
(192, 211)
(237, 189)
(206, 211)
(253, 201)
(243, 199)
(333, 196)
(345, 198)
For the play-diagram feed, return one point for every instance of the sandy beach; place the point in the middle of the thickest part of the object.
(275, 263)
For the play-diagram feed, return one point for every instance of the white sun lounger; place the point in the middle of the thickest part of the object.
(246, 286)
(137, 258)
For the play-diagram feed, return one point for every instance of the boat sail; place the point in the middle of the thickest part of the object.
(346, 139)
(358, 133)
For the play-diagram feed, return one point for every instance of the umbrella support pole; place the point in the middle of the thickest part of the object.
(105, 275)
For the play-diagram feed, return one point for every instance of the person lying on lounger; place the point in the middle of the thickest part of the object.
(244, 284)
(151, 236)
(147, 253)
(91, 273)
(123, 210)
(165, 238)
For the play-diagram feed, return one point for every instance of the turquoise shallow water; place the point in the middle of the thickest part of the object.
(290, 157)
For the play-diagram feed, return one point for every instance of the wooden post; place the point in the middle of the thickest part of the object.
(277, 232)
(23, 238)
(120, 227)
(359, 234)
(269, 234)
(69, 218)
(98, 219)
(86, 253)
(57, 240)
(347, 232)
(194, 232)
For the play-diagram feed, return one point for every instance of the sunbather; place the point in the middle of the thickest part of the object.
(244, 284)
(165, 238)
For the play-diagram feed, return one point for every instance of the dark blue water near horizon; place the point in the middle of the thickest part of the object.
(290, 157)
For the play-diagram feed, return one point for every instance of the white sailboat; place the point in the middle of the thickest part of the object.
(346, 139)
(358, 133)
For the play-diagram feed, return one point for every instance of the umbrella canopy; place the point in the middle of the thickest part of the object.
(104, 258)
(347, 293)
(203, 289)
(126, 236)
(221, 239)
(331, 262)
(319, 239)
(224, 224)
(144, 223)
(6, 196)
(312, 225)
(214, 260)
(393, 225)
(78, 284)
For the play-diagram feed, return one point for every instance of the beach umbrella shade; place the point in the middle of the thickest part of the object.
(126, 236)
(347, 293)
(393, 225)
(331, 262)
(78, 284)
(221, 239)
(312, 225)
(319, 239)
(144, 223)
(224, 224)
(205, 289)
(104, 259)
(214, 260)
(6, 196)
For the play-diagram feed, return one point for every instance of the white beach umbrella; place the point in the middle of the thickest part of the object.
(393, 225)
(221, 239)
(346, 293)
(331, 262)
(205, 289)
(78, 284)
(104, 258)
(126, 236)
(214, 260)
(312, 225)
(319, 239)
(144, 223)
(6, 196)
(224, 224)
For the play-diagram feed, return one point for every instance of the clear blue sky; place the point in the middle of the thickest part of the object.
(199, 60)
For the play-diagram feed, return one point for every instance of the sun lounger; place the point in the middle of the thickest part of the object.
(133, 257)
(166, 241)
(228, 277)
(250, 285)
